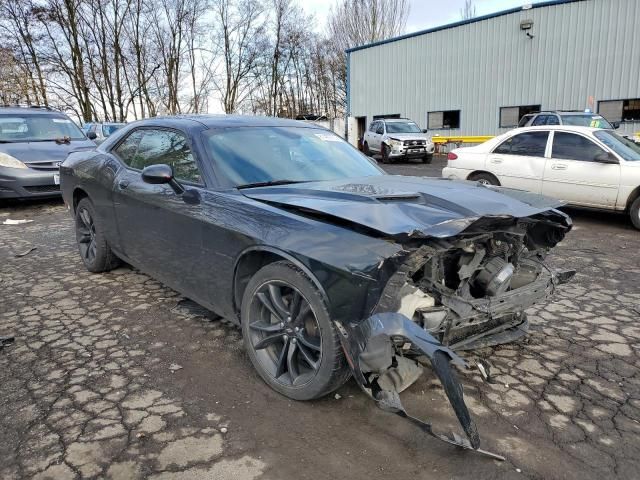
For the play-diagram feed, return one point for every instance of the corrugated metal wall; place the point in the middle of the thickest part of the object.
(583, 49)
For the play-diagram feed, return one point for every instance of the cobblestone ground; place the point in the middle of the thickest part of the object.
(116, 376)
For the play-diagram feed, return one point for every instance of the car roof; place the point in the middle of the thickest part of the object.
(571, 128)
(565, 112)
(396, 120)
(224, 121)
(29, 111)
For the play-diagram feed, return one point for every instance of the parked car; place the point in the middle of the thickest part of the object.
(397, 139)
(99, 132)
(586, 167)
(566, 117)
(330, 266)
(33, 143)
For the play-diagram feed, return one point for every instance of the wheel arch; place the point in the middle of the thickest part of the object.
(633, 196)
(78, 194)
(484, 172)
(253, 259)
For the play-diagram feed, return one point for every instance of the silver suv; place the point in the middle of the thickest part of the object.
(397, 139)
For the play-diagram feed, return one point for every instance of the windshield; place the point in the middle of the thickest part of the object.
(594, 121)
(402, 127)
(627, 149)
(37, 128)
(250, 155)
(109, 128)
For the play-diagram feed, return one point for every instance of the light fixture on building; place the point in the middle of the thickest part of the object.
(525, 26)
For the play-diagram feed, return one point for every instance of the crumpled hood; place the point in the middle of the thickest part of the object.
(43, 152)
(396, 205)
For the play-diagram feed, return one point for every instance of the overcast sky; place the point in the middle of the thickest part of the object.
(423, 13)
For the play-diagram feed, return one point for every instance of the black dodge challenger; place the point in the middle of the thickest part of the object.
(330, 266)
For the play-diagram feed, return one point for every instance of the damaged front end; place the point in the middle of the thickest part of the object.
(450, 294)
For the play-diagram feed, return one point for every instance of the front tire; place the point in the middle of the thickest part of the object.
(288, 334)
(634, 213)
(385, 154)
(427, 158)
(95, 252)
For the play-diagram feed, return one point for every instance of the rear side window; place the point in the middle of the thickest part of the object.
(569, 146)
(146, 147)
(546, 120)
(528, 144)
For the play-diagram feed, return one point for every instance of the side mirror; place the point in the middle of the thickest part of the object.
(92, 135)
(161, 174)
(606, 157)
(424, 130)
(615, 125)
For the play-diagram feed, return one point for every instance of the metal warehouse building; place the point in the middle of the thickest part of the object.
(478, 77)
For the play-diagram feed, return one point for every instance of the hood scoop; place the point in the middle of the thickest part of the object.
(398, 197)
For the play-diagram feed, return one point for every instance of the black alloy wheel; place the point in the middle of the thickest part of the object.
(86, 235)
(288, 333)
(285, 334)
(94, 249)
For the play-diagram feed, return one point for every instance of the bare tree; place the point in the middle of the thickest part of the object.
(468, 11)
(241, 39)
(357, 22)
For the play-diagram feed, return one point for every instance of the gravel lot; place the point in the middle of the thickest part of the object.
(116, 376)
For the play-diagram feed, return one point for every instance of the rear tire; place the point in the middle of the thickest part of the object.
(427, 158)
(94, 249)
(288, 334)
(634, 213)
(365, 149)
(485, 179)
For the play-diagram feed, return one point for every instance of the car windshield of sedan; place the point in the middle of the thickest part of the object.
(627, 149)
(253, 155)
(37, 128)
(593, 121)
(402, 127)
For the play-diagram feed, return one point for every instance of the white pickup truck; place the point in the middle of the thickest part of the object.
(397, 139)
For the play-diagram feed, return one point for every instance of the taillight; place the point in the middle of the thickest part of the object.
(451, 156)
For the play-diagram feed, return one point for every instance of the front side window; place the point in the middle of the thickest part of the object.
(37, 128)
(270, 154)
(146, 147)
(380, 128)
(403, 127)
(528, 144)
(627, 149)
(569, 146)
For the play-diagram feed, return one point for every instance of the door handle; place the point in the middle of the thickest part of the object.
(122, 184)
(496, 160)
(558, 166)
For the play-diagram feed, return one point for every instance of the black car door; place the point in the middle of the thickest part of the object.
(160, 231)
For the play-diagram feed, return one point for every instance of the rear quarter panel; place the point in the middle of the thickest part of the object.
(92, 173)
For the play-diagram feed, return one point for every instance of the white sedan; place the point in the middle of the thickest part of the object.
(587, 167)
